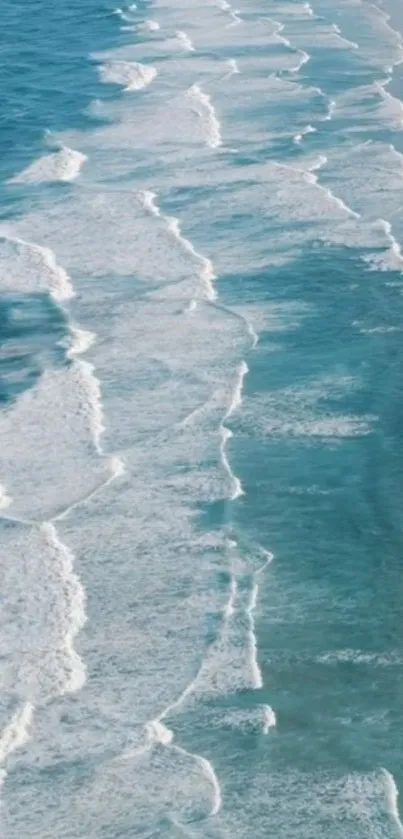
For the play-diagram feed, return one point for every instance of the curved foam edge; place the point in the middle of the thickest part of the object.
(392, 795)
(131, 75)
(15, 734)
(44, 271)
(64, 166)
(207, 275)
(75, 615)
(185, 42)
(202, 105)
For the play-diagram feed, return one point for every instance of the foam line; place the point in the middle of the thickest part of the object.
(392, 795)
(235, 16)
(91, 388)
(56, 281)
(184, 40)
(226, 433)
(152, 25)
(64, 166)
(300, 136)
(117, 469)
(131, 75)
(332, 105)
(269, 719)
(201, 103)
(349, 43)
(81, 341)
(229, 608)
(309, 177)
(233, 68)
(75, 616)
(305, 57)
(15, 734)
(257, 679)
(207, 275)
(163, 735)
(5, 500)
(123, 14)
(394, 244)
(277, 33)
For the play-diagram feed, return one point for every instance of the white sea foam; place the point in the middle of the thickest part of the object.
(392, 795)
(233, 66)
(279, 28)
(74, 616)
(395, 260)
(304, 58)
(5, 499)
(207, 275)
(89, 389)
(309, 129)
(184, 40)
(377, 659)
(116, 470)
(152, 25)
(260, 718)
(202, 105)
(30, 268)
(226, 433)
(160, 733)
(313, 179)
(229, 607)
(51, 443)
(352, 44)
(301, 412)
(80, 341)
(130, 74)
(15, 734)
(269, 719)
(64, 165)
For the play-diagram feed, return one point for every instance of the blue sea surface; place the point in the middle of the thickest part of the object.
(200, 420)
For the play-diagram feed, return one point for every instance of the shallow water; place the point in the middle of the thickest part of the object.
(200, 470)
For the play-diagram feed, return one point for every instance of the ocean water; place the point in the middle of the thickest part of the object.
(201, 458)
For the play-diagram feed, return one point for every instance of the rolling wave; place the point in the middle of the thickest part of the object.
(64, 166)
(131, 75)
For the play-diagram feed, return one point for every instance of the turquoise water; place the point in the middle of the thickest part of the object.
(200, 470)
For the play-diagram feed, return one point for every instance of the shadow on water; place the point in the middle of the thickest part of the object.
(33, 331)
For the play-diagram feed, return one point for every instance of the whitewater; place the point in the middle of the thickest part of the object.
(200, 498)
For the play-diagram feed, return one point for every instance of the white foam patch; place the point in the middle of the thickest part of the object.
(355, 804)
(362, 29)
(49, 455)
(392, 795)
(377, 659)
(369, 106)
(28, 267)
(259, 719)
(301, 412)
(368, 26)
(14, 735)
(120, 230)
(130, 74)
(369, 176)
(5, 499)
(43, 611)
(64, 165)
(266, 109)
(207, 275)
(152, 25)
(80, 341)
(185, 42)
(201, 103)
